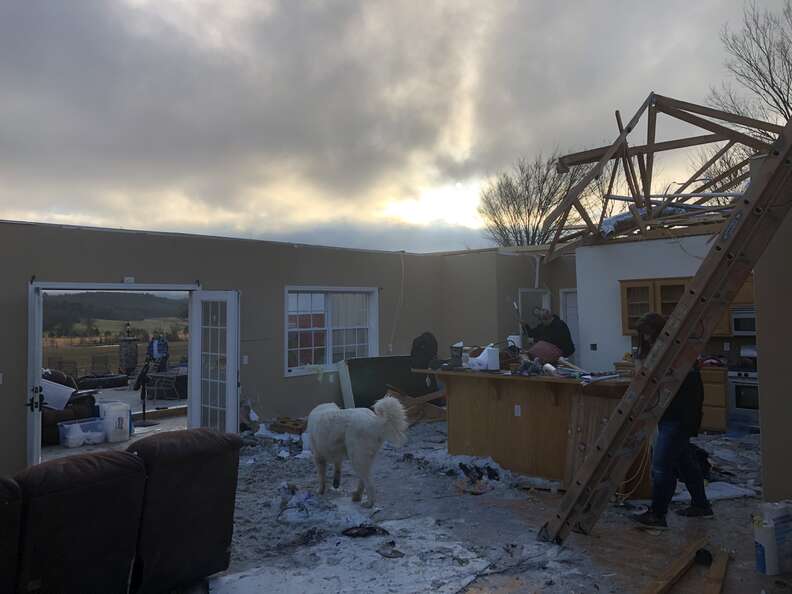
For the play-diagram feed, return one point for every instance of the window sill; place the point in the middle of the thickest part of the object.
(312, 370)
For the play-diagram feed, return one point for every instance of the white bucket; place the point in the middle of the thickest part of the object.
(116, 421)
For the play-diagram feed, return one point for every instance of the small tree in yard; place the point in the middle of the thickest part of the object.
(515, 203)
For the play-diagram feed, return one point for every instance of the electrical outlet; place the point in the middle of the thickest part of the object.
(726, 347)
(244, 359)
(517, 410)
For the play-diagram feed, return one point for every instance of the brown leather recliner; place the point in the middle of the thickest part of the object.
(80, 520)
(10, 520)
(188, 509)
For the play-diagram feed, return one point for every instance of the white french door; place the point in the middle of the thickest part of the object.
(33, 397)
(214, 360)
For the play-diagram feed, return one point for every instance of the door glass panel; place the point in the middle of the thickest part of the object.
(214, 317)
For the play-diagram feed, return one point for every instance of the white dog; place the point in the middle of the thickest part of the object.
(357, 434)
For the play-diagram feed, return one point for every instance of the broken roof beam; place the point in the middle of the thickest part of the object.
(575, 192)
(716, 128)
(651, 125)
(593, 155)
(721, 115)
(723, 176)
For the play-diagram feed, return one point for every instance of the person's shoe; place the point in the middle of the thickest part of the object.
(695, 511)
(651, 520)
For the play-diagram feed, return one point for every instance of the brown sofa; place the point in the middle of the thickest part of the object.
(188, 509)
(10, 520)
(80, 517)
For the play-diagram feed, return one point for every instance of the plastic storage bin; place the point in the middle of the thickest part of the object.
(103, 406)
(116, 421)
(73, 434)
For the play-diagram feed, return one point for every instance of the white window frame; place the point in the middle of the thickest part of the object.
(373, 326)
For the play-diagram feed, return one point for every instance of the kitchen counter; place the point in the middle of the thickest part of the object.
(540, 426)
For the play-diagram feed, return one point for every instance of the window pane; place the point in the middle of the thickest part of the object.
(362, 336)
(306, 356)
(317, 302)
(293, 340)
(349, 337)
(292, 303)
(362, 350)
(305, 302)
(292, 321)
(221, 420)
(292, 359)
(317, 320)
(319, 338)
(319, 356)
(306, 339)
(305, 320)
(338, 354)
(338, 338)
(221, 308)
(349, 353)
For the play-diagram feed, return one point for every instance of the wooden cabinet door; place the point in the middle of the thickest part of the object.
(637, 299)
(668, 293)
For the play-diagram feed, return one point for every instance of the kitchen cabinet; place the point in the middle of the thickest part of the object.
(662, 295)
(639, 297)
(715, 398)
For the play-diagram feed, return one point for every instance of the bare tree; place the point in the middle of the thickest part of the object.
(515, 203)
(760, 60)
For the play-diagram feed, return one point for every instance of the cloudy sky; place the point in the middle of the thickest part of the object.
(364, 124)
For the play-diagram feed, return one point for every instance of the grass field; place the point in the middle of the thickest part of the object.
(149, 325)
(81, 360)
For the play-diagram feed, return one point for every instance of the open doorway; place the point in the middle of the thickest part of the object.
(109, 364)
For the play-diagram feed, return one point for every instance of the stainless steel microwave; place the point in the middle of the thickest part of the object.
(743, 321)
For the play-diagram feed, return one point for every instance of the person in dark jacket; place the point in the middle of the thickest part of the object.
(673, 453)
(551, 329)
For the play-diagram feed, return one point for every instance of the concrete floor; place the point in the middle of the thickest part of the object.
(163, 424)
(283, 528)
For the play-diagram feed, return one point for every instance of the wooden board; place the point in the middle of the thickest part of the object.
(717, 573)
(680, 564)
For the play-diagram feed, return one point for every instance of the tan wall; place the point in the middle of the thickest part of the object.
(773, 286)
(260, 270)
(456, 296)
(467, 306)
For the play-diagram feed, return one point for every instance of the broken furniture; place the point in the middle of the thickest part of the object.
(288, 425)
(420, 408)
(365, 380)
(80, 517)
(188, 507)
(535, 425)
(10, 520)
(62, 402)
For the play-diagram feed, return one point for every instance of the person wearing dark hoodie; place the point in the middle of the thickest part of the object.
(551, 329)
(673, 453)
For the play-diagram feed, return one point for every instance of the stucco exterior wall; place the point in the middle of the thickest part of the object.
(772, 288)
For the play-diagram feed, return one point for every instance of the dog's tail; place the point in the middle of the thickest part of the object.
(395, 417)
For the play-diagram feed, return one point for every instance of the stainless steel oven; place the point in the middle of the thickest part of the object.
(743, 321)
(744, 397)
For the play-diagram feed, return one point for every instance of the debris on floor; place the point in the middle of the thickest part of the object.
(439, 537)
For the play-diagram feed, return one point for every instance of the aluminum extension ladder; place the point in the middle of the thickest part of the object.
(734, 252)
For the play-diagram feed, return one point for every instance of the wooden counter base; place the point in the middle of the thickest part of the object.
(536, 426)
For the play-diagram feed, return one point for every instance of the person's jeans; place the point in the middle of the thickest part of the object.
(672, 456)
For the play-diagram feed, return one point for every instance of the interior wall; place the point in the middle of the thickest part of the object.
(772, 288)
(599, 269)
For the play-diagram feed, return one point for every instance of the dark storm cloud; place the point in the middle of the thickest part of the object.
(107, 107)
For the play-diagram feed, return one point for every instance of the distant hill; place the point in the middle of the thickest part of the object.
(62, 312)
